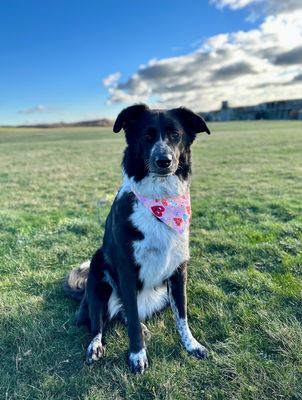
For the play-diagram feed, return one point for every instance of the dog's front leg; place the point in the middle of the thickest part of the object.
(137, 359)
(178, 301)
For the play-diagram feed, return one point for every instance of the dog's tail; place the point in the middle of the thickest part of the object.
(75, 282)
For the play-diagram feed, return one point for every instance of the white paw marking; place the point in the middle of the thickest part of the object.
(189, 342)
(95, 349)
(138, 362)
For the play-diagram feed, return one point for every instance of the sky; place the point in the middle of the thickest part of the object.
(71, 60)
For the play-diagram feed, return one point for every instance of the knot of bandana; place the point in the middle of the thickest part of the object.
(174, 211)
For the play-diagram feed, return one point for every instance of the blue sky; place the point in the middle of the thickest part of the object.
(71, 60)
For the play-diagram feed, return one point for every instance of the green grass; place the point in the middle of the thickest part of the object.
(245, 276)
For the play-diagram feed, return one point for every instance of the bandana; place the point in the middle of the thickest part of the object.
(174, 211)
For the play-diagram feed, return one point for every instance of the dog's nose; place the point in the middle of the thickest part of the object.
(164, 161)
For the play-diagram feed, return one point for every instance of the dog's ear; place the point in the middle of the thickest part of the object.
(192, 123)
(128, 116)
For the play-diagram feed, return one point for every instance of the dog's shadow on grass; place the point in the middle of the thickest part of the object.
(45, 349)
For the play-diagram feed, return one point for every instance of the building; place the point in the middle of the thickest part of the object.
(282, 109)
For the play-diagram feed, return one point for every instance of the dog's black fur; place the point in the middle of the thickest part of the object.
(158, 150)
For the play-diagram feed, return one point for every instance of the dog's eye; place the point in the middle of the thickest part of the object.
(175, 135)
(150, 134)
(148, 137)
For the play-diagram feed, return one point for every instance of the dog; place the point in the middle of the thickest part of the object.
(142, 264)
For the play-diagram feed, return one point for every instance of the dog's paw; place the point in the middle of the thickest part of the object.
(138, 362)
(194, 348)
(199, 352)
(95, 350)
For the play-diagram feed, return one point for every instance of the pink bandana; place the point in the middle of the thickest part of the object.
(174, 212)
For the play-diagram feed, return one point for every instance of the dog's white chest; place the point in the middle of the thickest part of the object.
(161, 251)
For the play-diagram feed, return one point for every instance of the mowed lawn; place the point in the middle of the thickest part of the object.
(245, 275)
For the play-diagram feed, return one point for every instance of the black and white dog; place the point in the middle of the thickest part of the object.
(142, 264)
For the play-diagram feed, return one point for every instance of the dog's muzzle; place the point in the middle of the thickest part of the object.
(162, 160)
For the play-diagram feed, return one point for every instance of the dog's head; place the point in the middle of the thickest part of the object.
(158, 140)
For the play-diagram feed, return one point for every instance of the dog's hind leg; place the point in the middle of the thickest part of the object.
(82, 315)
(97, 295)
(145, 332)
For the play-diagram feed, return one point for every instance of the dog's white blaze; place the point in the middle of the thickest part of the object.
(160, 145)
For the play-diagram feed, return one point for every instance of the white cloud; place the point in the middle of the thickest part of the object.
(268, 6)
(36, 110)
(233, 4)
(243, 67)
(111, 79)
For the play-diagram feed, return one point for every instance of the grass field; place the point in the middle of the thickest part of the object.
(245, 276)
